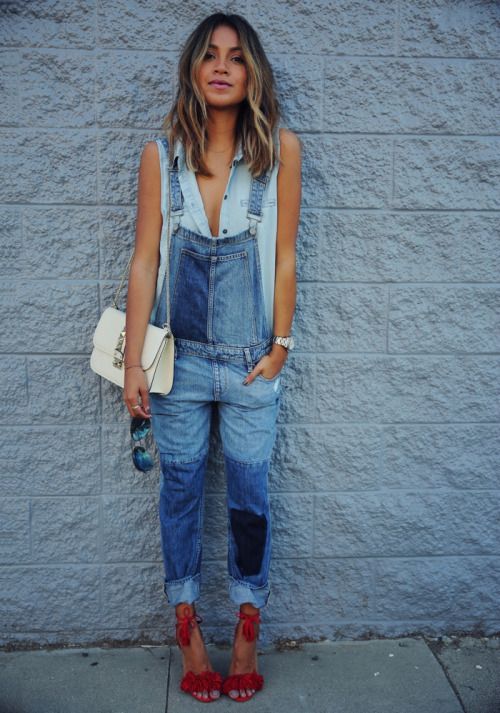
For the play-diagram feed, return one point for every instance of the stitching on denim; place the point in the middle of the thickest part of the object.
(264, 343)
(195, 254)
(164, 455)
(201, 510)
(250, 301)
(249, 584)
(261, 286)
(184, 579)
(269, 381)
(205, 350)
(174, 293)
(232, 256)
(246, 462)
(241, 237)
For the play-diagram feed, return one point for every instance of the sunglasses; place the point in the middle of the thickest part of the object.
(139, 429)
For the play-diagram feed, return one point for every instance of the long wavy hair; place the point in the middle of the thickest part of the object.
(259, 112)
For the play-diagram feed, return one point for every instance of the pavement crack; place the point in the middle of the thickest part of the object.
(168, 676)
(445, 671)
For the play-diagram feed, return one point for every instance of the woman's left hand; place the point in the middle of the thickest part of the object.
(269, 365)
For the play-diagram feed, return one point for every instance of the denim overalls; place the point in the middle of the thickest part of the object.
(221, 331)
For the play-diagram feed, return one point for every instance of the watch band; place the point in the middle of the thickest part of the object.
(286, 342)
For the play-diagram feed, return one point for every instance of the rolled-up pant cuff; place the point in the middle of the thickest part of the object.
(241, 593)
(182, 590)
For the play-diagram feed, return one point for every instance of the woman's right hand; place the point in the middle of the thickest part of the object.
(136, 392)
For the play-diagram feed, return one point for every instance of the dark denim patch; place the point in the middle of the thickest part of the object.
(249, 530)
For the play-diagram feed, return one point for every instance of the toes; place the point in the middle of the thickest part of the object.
(215, 694)
(202, 694)
(242, 693)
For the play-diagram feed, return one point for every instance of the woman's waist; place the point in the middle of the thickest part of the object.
(230, 352)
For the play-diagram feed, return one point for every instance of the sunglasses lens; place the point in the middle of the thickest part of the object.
(139, 427)
(142, 459)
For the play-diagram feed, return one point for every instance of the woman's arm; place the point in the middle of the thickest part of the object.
(142, 277)
(289, 197)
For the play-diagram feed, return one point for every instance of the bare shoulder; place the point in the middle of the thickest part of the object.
(149, 169)
(290, 144)
(150, 157)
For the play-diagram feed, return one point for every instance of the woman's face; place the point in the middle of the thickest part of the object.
(222, 75)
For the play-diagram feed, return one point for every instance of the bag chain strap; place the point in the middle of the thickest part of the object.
(167, 267)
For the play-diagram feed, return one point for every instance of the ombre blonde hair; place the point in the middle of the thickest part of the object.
(259, 111)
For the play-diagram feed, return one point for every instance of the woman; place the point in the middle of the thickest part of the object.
(232, 288)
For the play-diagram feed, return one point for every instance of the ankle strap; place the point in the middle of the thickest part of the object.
(249, 619)
(185, 623)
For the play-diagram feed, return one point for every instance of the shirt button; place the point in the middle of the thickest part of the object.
(225, 196)
(224, 231)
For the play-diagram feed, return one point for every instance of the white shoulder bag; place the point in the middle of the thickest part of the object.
(157, 360)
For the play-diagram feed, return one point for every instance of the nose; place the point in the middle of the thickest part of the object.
(220, 65)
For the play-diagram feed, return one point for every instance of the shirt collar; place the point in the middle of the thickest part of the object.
(179, 152)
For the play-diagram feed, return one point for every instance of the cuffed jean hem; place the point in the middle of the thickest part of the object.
(182, 590)
(241, 593)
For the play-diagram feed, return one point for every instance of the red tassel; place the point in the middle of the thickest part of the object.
(249, 619)
(185, 624)
(199, 682)
(242, 681)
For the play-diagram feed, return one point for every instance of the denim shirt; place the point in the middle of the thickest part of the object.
(233, 215)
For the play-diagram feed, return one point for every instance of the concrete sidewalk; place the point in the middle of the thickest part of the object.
(407, 675)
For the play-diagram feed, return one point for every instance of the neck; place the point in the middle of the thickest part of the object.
(221, 127)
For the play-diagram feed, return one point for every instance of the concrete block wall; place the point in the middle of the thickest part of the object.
(385, 478)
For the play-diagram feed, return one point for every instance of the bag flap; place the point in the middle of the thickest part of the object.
(107, 333)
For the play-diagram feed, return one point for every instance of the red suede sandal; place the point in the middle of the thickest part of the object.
(242, 681)
(196, 682)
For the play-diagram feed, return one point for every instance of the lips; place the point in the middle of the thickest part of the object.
(216, 83)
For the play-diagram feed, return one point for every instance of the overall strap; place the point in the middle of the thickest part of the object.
(257, 189)
(176, 197)
(163, 151)
(254, 212)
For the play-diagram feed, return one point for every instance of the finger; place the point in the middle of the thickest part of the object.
(250, 376)
(145, 400)
(134, 406)
(139, 411)
(135, 411)
(129, 402)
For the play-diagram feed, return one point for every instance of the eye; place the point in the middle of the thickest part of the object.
(238, 58)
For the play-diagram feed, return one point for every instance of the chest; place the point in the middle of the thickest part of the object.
(213, 191)
(207, 210)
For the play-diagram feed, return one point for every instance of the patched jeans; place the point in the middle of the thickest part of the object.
(181, 426)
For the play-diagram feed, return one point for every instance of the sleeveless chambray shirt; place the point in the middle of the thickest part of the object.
(233, 216)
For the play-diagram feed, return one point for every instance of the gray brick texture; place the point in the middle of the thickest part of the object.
(385, 478)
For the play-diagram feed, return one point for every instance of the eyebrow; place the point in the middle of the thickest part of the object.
(230, 49)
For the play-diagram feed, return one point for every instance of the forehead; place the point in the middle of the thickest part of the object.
(224, 37)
